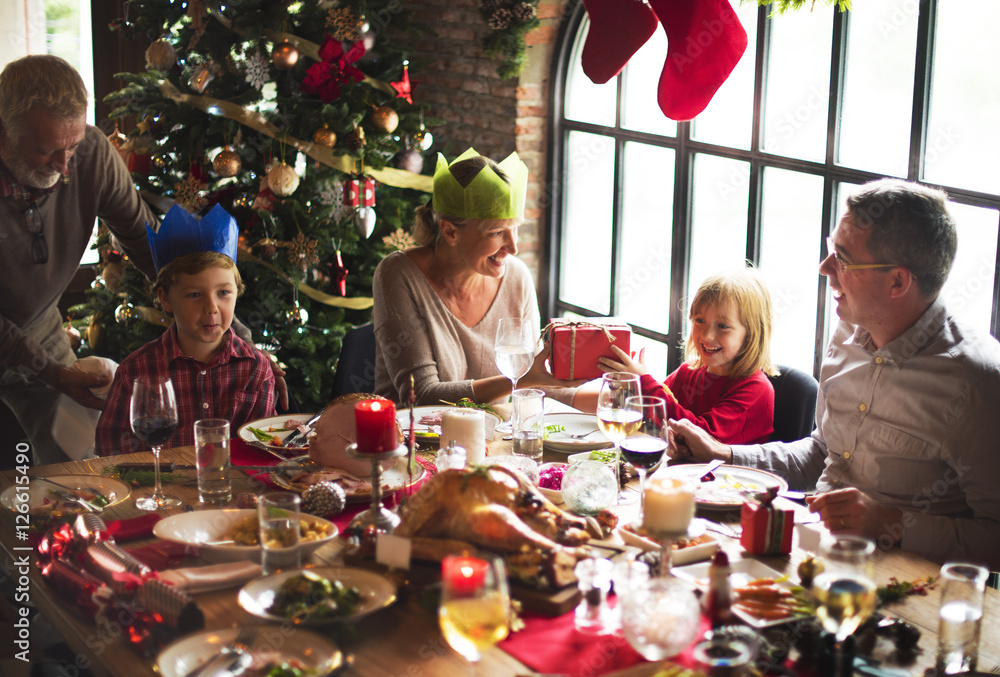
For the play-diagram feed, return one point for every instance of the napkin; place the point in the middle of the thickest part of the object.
(133, 528)
(75, 425)
(215, 577)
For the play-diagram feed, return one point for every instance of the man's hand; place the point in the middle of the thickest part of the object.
(851, 511)
(688, 441)
(77, 384)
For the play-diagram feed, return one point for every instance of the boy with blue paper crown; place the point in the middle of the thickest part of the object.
(214, 372)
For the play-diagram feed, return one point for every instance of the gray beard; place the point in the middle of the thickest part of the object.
(25, 176)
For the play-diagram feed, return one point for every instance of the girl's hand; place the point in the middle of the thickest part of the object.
(539, 374)
(624, 362)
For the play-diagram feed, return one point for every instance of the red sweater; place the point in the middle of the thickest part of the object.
(734, 412)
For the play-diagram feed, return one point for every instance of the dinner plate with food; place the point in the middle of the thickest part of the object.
(727, 486)
(298, 474)
(685, 550)
(427, 426)
(573, 432)
(317, 596)
(274, 430)
(65, 494)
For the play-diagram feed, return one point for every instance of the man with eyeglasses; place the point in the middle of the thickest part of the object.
(906, 445)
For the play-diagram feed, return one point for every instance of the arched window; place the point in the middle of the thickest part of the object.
(645, 208)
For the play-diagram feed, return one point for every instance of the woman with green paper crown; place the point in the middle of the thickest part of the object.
(438, 305)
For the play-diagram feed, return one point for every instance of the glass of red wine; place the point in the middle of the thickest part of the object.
(645, 445)
(154, 420)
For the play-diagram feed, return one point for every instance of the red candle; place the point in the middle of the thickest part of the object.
(375, 423)
(464, 575)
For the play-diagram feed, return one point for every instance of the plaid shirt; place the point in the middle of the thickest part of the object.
(9, 187)
(237, 385)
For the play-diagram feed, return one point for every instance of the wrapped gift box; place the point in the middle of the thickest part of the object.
(577, 345)
(766, 530)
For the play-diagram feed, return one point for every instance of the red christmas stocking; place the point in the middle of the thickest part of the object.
(618, 28)
(705, 42)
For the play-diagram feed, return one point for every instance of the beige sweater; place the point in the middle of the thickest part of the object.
(415, 333)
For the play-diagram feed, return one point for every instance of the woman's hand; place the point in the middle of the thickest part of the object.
(539, 374)
(624, 363)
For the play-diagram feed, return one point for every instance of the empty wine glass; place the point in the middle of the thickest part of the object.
(616, 420)
(154, 420)
(846, 591)
(475, 604)
(514, 351)
(645, 446)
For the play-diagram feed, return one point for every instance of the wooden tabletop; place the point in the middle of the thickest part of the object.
(403, 639)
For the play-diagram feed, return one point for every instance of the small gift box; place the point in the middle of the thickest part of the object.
(577, 345)
(767, 530)
(359, 193)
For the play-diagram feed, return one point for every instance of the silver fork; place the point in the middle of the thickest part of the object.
(580, 436)
(231, 659)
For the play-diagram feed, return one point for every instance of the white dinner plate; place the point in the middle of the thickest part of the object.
(276, 422)
(724, 491)
(679, 556)
(743, 571)
(315, 653)
(376, 591)
(559, 427)
(393, 479)
(432, 433)
(40, 497)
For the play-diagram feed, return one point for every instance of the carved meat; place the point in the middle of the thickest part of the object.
(335, 431)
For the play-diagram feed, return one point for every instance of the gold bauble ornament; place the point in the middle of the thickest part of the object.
(95, 333)
(227, 163)
(324, 136)
(282, 180)
(385, 119)
(161, 55)
(285, 55)
(355, 139)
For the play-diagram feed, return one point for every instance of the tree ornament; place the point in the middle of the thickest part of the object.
(400, 240)
(491, 6)
(187, 193)
(500, 19)
(113, 273)
(342, 24)
(302, 251)
(324, 136)
(364, 221)
(266, 248)
(227, 163)
(404, 88)
(200, 77)
(161, 55)
(282, 180)
(158, 162)
(365, 35)
(355, 139)
(324, 499)
(524, 12)
(117, 139)
(243, 200)
(97, 284)
(256, 74)
(95, 332)
(423, 138)
(385, 119)
(126, 313)
(339, 272)
(409, 160)
(297, 315)
(337, 68)
(285, 55)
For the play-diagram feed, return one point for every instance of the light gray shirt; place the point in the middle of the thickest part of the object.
(416, 333)
(915, 425)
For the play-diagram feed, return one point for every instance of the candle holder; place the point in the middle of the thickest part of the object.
(377, 516)
(695, 529)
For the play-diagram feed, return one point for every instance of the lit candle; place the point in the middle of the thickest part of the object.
(463, 575)
(468, 428)
(669, 505)
(375, 426)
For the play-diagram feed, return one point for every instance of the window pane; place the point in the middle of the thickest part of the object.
(655, 357)
(640, 111)
(585, 256)
(718, 218)
(728, 119)
(585, 101)
(883, 34)
(798, 84)
(648, 200)
(791, 232)
(963, 139)
(969, 289)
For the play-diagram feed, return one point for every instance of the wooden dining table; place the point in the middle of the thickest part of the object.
(404, 638)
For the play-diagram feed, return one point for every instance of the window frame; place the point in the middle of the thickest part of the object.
(686, 148)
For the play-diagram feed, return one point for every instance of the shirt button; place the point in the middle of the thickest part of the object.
(862, 407)
(204, 405)
(878, 360)
(847, 454)
(203, 373)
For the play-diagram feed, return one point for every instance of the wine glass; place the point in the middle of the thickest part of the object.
(154, 420)
(475, 604)
(646, 444)
(846, 591)
(514, 351)
(614, 419)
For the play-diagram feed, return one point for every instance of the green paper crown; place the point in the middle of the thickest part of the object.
(487, 196)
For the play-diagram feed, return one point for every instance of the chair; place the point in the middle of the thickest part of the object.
(794, 404)
(356, 365)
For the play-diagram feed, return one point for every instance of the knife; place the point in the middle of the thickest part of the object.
(295, 436)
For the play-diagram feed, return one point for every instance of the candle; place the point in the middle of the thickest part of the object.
(669, 505)
(468, 428)
(375, 426)
(464, 575)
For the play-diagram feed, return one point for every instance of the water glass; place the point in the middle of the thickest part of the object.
(279, 531)
(960, 619)
(527, 422)
(211, 444)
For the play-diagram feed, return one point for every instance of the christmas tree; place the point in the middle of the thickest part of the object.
(297, 118)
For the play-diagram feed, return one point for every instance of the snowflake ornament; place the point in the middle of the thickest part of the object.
(257, 70)
(187, 193)
(399, 240)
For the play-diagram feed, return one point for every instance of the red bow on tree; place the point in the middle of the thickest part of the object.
(335, 69)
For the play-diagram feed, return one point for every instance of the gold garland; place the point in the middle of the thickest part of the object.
(352, 303)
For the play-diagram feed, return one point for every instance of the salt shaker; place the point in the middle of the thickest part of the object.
(450, 457)
(593, 615)
(719, 598)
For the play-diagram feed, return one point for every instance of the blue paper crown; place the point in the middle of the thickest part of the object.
(181, 233)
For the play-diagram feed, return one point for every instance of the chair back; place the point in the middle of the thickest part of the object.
(356, 365)
(795, 394)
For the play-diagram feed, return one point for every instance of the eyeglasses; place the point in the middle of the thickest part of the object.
(39, 247)
(843, 265)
